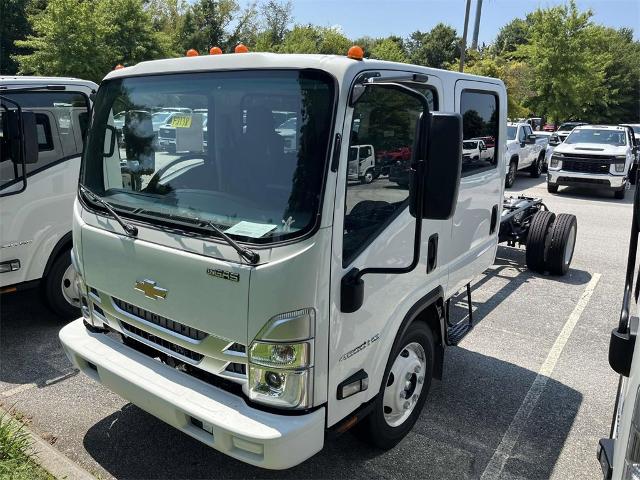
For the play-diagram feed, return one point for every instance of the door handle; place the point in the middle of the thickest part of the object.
(432, 253)
(494, 219)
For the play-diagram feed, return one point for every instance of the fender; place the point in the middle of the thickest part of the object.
(435, 298)
(65, 243)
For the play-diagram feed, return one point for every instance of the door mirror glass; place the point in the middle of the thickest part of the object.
(531, 139)
(440, 177)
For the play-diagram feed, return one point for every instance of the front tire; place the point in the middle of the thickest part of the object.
(60, 290)
(619, 194)
(511, 174)
(404, 388)
(368, 177)
(552, 188)
(536, 168)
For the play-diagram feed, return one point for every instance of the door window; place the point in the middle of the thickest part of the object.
(61, 121)
(385, 121)
(479, 112)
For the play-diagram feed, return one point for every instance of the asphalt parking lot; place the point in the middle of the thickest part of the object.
(526, 395)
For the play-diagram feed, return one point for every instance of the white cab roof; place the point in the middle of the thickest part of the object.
(337, 65)
(34, 81)
(599, 127)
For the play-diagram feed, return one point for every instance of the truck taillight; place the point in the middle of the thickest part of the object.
(632, 456)
(281, 361)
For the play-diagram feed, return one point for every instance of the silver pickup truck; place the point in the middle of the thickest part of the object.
(525, 151)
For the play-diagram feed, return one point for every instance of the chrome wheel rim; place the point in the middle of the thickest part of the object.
(69, 287)
(368, 177)
(404, 384)
(571, 241)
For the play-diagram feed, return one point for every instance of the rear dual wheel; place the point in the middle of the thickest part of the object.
(551, 242)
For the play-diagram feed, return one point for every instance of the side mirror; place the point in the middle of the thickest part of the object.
(436, 184)
(531, 139)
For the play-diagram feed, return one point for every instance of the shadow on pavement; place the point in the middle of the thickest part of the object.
(30, 351)
(462, 424)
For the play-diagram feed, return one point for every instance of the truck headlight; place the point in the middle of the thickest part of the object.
(281, 361)
(632, 456)
(556, 158)
(620, 162)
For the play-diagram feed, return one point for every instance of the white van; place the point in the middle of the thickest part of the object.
(37, 196)
(251, 296)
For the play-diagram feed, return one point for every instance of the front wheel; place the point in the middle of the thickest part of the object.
(60, 288)
(404, 389)
(619, 194)
(511, 174)
(552, 188)
(368, 177)
(536, 168)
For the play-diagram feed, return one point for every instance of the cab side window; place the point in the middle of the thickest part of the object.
(382, 132)
(479, 110)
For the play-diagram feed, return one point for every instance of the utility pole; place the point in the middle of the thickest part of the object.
(463, 42)
(476, 28)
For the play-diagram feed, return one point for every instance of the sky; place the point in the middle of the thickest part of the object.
(377, 18)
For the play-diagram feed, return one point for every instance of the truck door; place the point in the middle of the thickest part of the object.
(529, 149)
(36, 219)
(373, 227)
(476, 220)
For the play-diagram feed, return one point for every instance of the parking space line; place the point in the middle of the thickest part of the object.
(494, 468)
(44, 382)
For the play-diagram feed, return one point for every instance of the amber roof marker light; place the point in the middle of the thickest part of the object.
(215, 51)
(118, 67)
(192, 52)
(356, 52)
(241, 48)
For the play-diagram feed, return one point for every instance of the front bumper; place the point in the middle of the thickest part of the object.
(217, 418)
(588, 180)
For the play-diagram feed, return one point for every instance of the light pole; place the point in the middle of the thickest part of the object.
(476, 26)
(463, 42)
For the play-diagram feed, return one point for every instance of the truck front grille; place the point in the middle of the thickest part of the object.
(586, 163)
(184, 352)
(167, 133)
(159, 320)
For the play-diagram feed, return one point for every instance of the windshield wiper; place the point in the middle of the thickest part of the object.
(131, 230)
(251, 256)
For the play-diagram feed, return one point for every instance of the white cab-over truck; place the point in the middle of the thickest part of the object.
(250, 295)
(525, 151)
(593, 156)
(42, 125)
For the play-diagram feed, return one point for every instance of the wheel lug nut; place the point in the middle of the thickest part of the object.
(408, 376)
(401, 394)
(420, 379)
(407, 405)
(415, 397)
(417, 369)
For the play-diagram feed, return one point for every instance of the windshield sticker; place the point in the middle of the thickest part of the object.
(181, 121)
(250, 229)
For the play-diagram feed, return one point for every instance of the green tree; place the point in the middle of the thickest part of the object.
(390, 48)
(437, 48)
(14, 25)
(276, 18)
(565, 76)
(511, 36)
(87, 38)
(313, 39)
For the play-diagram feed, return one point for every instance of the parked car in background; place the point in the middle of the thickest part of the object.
(474, 150)
(525, 151)
(594, 156)
(563, 132)
(535, 123)
(636, 129)
(549, 127)
(39, 168)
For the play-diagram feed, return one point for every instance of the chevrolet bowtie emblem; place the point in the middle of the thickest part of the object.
(150, 289)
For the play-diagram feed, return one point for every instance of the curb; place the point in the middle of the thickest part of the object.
(51, 459)
(55, 462)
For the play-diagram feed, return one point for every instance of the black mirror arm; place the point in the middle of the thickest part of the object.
(355, 274)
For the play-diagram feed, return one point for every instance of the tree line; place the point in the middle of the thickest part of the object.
(556, 62)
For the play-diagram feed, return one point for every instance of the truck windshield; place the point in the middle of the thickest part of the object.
(601, 136)
(220, 153)
(469, 145)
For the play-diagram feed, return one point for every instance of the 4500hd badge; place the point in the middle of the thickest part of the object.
(223, 274)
